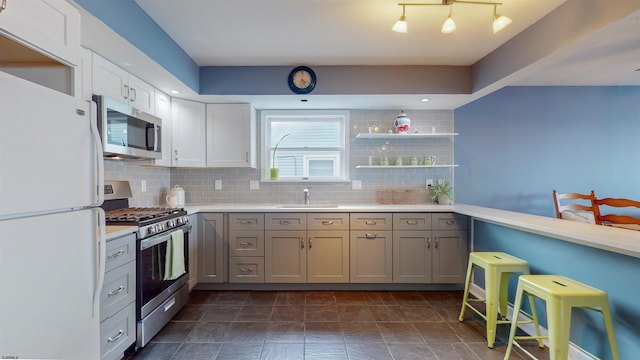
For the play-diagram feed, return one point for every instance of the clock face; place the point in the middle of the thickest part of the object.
(302, 80)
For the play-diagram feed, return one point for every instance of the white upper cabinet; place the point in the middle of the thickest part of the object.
(231, 135)
(188, 133)
(51, 27)
(163, 111)
(114, 82)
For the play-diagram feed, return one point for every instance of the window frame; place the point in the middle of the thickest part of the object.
(342, 116)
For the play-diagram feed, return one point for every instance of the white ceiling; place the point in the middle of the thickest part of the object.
(358, 32)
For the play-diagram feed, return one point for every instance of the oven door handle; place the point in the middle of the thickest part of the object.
(164, 237)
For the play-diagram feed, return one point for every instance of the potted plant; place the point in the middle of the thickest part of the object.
(275, 172)
(442, 192)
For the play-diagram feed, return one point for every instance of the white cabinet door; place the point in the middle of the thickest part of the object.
(141, 95)
(163, 111)
(112, 81)
(188, 133)
(231, 135)
(50, 26)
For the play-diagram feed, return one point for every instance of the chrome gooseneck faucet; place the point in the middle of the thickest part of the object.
(307, 198)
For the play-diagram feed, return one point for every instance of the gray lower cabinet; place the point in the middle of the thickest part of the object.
(301, 248)
(193, 251)
(371, 248)
(210, 248)
(118, 298)
(246, 248)
(429, 248)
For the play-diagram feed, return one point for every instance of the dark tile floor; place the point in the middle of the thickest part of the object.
(312, 325)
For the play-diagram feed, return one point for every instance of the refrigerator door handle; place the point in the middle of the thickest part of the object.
(100, 264)
(99, 168)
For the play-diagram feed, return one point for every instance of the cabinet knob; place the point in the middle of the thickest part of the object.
(437, 242)
(428, 243)
(301, 243)
(3, 6)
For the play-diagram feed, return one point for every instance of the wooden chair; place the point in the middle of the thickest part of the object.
(614, 219)
(571, 211)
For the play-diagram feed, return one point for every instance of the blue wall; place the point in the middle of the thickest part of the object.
(518, 144)
(128, 19)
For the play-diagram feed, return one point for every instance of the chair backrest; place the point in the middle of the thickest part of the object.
(582, 209)
(632, 218)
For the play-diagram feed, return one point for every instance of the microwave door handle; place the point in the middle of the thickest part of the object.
(150, 132)
(156, 138)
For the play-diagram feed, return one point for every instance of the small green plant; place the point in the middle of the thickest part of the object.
(442, 188)
(274, 172)
(275, 149)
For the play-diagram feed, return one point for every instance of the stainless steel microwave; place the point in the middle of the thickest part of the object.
(127, 133)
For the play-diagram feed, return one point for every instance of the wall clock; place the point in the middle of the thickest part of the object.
(302, 80)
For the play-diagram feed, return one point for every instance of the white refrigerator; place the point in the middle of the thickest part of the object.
(51, 228)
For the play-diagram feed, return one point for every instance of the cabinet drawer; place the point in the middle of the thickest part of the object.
(411, 221)
(119, 290)
(246, 269)
(328, 221)
(370, 221)
(448, 221)
(246, 243)
(285, 221)
(246, 221)
(120, 251)
(118, 333)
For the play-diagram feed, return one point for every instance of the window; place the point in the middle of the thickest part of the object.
(311, 145)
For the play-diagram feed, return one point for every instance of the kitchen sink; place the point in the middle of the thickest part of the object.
(307, 206)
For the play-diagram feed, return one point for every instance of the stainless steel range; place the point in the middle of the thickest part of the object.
(162, 262)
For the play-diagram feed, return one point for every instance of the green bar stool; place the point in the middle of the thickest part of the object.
(497, 266)
(561, 294)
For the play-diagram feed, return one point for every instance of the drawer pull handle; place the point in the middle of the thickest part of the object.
(412, 222)
(116, 291)
(370, 222)
(450, 222)
(371, 235)
(327, 222)
(246, 270)
(116, 254)
(285, 222)
(428, 243)
(246, 243)
(115, 338)
(246, 222)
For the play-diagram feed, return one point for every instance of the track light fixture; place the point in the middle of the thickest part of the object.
(499, 21)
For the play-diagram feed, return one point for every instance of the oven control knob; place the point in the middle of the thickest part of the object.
(151, 230)
(171, 223)
(185, 219)
(179, 221)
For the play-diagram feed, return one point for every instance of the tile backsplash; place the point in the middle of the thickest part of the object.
(199, 182)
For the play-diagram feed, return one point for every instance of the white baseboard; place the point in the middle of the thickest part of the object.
(575, 352)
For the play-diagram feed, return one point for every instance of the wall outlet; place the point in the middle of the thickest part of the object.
(428, 182)
(254, 185)
(356, 185)
(217, 185)
(143, 185)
